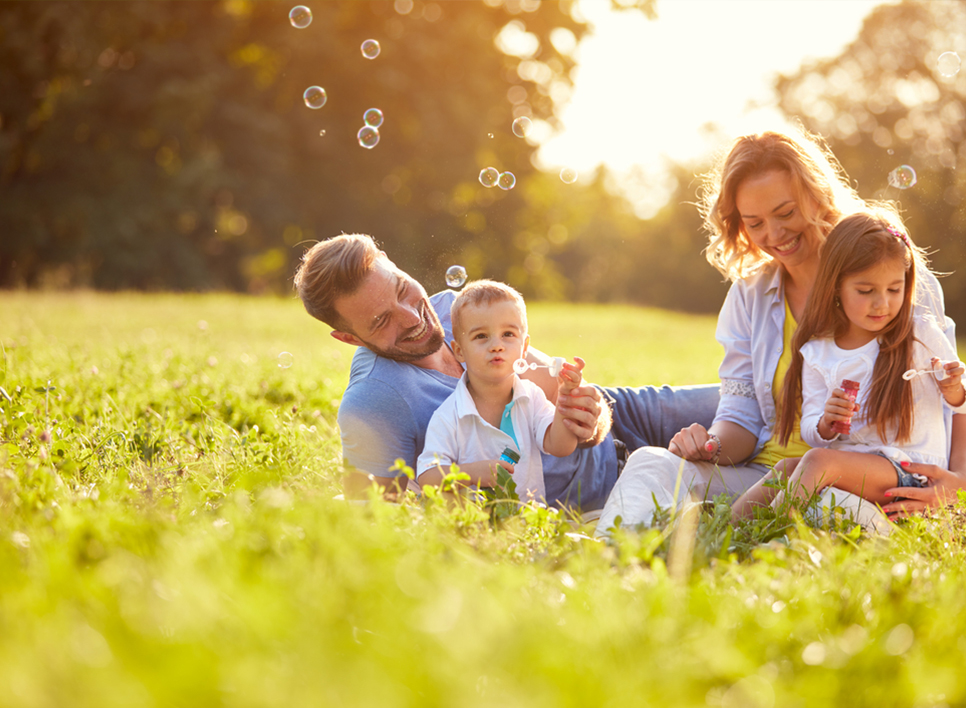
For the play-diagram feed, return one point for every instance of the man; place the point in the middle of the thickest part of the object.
(404, 369)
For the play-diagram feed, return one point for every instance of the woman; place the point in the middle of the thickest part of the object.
(767, 208)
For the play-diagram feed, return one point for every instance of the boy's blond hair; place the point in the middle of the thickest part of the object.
(485, 292)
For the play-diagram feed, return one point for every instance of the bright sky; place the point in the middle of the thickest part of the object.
(645, 88)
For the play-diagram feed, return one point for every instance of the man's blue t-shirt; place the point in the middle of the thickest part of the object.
(387, 406)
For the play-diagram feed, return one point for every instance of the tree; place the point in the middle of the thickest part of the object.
(167, 144)
(888, 101)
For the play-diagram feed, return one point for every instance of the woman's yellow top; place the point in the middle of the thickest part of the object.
(773, 451)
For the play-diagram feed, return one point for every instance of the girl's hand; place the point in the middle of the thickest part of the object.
(569, 377)
(837, 408)
(952, 383)
(693, 443)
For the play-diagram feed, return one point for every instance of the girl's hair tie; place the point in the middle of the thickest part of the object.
(899, 235)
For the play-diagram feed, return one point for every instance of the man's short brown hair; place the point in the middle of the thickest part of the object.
(332, 269)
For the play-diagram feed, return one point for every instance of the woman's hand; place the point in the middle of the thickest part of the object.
(694, 443)
(941, 491)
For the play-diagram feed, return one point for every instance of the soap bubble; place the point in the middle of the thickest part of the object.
(455, 276)
(370, 49)
(948, 64)
(300, 16)
(322, 133)
(285, 360)
(489, 176)
(902, 177)
(521, 126)
(507, 181)
(520, 367)
(490, 136)
(314, 97)
(568, 175)
(372, 117)
(368, 137)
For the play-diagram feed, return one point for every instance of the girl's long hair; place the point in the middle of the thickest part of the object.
(859, 242)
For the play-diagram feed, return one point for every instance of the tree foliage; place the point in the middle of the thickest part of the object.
(886, 102)
(158, 145)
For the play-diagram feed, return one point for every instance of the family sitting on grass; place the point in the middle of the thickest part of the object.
(826, 288)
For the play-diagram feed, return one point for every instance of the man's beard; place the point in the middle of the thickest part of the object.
(431, 346)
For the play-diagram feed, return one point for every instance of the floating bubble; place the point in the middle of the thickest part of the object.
(490, 136)
(568, 175)
(455, 276)
(948, 64)
(300, 16)
(370, 49)
(368, 137)
(372, 117)
(315, 97)
(507, 181)
(285, 360)
(521, 126)
(902, 177)
(489, 176)
(322, 133)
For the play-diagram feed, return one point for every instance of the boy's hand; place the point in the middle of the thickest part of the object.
(569, 377)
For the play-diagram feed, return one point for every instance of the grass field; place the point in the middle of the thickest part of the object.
(169, 537)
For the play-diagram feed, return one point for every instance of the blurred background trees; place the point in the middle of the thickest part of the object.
(167, 146)
(888, 101)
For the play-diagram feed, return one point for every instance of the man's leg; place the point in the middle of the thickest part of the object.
(652, 415)
(584, 479)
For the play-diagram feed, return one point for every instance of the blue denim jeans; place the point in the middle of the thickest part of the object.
(645, 416)
(652, 415)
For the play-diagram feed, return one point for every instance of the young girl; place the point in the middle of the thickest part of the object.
(859, 326)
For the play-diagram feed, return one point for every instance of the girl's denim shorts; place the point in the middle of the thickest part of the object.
(906, 479)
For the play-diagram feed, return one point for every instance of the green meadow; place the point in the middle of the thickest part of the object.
(170, 536)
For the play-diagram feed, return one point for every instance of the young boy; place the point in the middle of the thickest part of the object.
(492, 408)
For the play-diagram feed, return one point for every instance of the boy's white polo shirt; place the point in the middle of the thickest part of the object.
(457, 433)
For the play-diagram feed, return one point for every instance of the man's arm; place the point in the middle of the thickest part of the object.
(377, 428)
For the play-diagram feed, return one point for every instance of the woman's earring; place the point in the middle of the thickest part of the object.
(838, 303)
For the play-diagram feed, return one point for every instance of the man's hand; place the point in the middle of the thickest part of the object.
(942, 491)
(584, 415)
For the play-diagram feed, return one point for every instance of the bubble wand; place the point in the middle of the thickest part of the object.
(940, 372)
(520, 366)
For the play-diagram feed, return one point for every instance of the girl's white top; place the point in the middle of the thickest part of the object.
(826, 365)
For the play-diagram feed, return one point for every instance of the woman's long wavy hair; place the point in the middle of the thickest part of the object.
(821, 187)
(857, 243)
